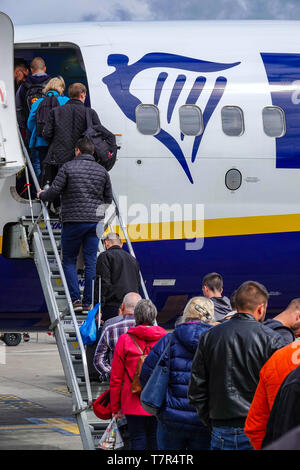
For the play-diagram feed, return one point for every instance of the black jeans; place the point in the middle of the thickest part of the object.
(142, 432)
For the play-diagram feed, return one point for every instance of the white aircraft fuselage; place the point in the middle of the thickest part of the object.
(223, 198)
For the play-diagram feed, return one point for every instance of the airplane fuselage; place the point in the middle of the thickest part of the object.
(207, 116)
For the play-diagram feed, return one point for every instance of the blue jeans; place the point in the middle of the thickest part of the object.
(142, 432)
(170, 438)
(34, 156)
(226, 438)
(73, 236)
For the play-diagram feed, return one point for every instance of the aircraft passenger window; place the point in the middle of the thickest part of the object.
(191, 120)
(147, 119)
(232, 121)
(273, 121)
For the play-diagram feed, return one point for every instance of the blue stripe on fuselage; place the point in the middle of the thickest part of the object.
(283, 70)
(267, 258)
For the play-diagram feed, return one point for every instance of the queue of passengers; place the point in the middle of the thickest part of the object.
(234, 376)
(52, 126)
(224, 375)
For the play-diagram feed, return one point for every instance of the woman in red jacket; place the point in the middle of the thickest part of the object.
(142, 337)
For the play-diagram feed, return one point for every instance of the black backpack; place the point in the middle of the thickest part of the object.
(104, 142)
(43, 111)
(34, 91)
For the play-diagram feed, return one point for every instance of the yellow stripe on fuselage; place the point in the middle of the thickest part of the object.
(252, 225)
(223, 227)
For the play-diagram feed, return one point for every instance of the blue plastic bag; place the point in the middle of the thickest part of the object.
(88, 329)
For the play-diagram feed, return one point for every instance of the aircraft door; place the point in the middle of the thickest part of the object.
(11, 157)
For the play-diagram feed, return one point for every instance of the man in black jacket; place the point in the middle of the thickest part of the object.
(285, 412)
(226, 366)
(120, 274)
(86, 190)
(65, 125)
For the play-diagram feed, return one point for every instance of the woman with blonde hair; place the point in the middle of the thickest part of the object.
(179, 427)
(39, 113)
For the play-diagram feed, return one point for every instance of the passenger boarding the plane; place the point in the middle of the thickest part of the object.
(119, 272)
(54, 96)
(30, 90)
(65, 125)
(111, 331)
(85, 188)
(21, 72)
(287, 322)
(212, 288)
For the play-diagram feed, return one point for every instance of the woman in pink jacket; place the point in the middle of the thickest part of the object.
(142, 337)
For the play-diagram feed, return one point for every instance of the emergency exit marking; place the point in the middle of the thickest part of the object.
(164, 282)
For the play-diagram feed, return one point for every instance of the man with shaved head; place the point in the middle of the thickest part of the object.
(287, 323)
(226, 366)
(31, 90)
(112, 330)
(119, 272)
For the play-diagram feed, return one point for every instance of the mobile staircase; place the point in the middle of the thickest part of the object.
(43, 244)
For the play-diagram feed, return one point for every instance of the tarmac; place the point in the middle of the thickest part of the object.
(35, 405)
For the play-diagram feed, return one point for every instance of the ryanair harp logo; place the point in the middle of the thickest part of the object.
(186, 83)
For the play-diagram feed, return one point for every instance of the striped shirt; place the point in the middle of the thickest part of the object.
(108, 340)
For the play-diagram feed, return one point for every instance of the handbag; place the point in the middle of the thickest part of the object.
(154, 392)
(102, 407)
(136, 387)
(88, 329)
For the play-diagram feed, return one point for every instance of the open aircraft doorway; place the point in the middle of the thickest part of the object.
(61, 59)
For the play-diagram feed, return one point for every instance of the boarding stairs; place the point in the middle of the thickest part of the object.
(43, 241)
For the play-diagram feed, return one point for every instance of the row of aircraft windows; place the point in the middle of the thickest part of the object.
(191, 120)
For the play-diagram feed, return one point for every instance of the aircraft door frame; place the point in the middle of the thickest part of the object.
(11, 156)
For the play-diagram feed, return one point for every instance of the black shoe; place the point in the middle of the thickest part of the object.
(77, 306)
(86, 308)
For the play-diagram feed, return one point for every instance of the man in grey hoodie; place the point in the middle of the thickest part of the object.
(212, 288)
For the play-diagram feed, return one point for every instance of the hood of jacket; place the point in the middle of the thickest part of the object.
(286, 332)
(147, 333)
(275, 324)
(222, 307)
(39, 78)
(188, 334)
(52, 93)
